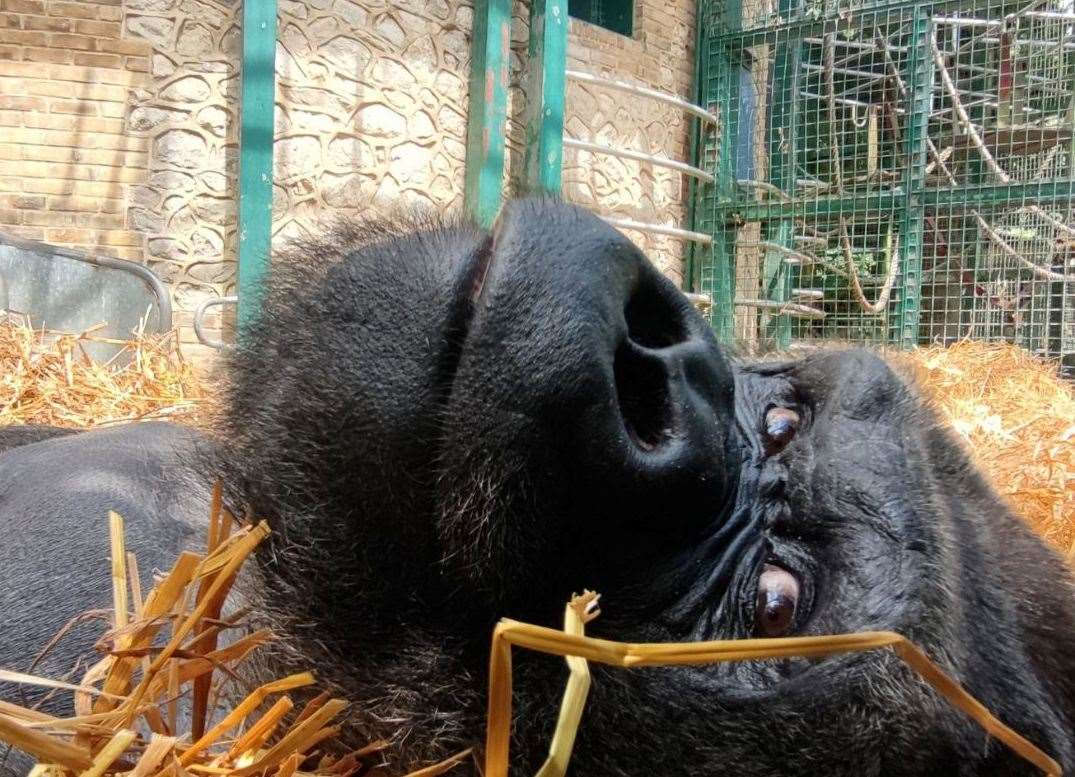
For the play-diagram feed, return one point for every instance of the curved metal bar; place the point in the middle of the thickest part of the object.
(782, 308)
(660, 229)
(147, 276)
(638, 156)
(199, 320)
(644, 91)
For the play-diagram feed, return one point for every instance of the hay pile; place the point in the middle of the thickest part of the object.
(47, 378)
(160, 658)
(1018, 418)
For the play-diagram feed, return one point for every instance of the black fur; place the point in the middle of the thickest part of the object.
(14, 436)
(445, 426)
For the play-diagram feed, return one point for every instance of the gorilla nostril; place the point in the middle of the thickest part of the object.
(654, 320)
(642, 392)
(781, 425)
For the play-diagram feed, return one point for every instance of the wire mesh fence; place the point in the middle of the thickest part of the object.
(891, 174)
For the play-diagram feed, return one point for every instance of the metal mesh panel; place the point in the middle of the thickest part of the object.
(890, 174)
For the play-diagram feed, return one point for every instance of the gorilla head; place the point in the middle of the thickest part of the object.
(446, 425)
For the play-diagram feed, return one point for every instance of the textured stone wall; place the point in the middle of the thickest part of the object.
(659, 55)
(371, 113)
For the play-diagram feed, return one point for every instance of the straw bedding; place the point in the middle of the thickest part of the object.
(47, 378)
(1017, 417)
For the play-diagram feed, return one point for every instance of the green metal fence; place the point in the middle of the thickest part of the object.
(889, 173)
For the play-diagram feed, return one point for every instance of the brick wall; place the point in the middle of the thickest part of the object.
(119, 123)
(66, 157)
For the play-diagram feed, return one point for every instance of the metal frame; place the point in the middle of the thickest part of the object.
(543, 165)
(257, 123)
(919, 77)
(488, 108)
(638, 156)
(909, 194)
(144, 274)
(199, 320)
(643, 91)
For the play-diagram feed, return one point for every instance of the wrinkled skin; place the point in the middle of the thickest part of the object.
(445, 426)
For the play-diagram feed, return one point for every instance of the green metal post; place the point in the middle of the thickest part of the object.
(722, 282)
(919, 78)
(783, 146)
(255, 154)
(697, 253)
(543, 166)
(488, 106)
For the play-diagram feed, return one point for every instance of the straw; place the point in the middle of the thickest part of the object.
(623, 654)
(141, 682)
(47, 378)
(1017, 417)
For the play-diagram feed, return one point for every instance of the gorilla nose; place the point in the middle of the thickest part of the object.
(640, 379)
(673, 394)
(615, 356)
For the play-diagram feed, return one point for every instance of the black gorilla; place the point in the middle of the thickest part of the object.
(445, 425)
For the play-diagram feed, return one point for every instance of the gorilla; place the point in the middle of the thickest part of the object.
(445, 425)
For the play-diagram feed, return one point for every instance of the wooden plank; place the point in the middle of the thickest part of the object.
(488, 107)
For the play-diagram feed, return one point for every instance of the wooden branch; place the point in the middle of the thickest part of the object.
(856, 284)
(961, 112)
(938, 159)
(830, 91)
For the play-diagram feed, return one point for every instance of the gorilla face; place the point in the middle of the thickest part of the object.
(445, 426)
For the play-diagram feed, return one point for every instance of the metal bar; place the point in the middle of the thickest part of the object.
(660, 229)
(846, 101)
(959, 198)
(865, 17)
(487, 110)
(851, 44)
(1060, 16)
(968, 21)
(817, 294)
(638, 156)
(783, 147)
(543, 165)
(1041, 192)
(872, 77)
(255, 155)
(784, 309)
(696, 252)
(721, 286)
(1047, 44)
(199, 320)
(919, 78)
(815, 207)
(643, 91)
(791, 256)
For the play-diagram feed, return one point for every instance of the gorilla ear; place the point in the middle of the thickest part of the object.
(854, 383)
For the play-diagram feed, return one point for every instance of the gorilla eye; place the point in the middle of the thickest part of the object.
(781, 424)
(778, 596)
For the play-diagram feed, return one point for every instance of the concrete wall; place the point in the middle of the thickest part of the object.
(371, 112)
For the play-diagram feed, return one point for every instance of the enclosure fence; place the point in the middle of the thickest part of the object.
(891, 174)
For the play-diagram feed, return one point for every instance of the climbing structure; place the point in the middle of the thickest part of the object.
(890, 173)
